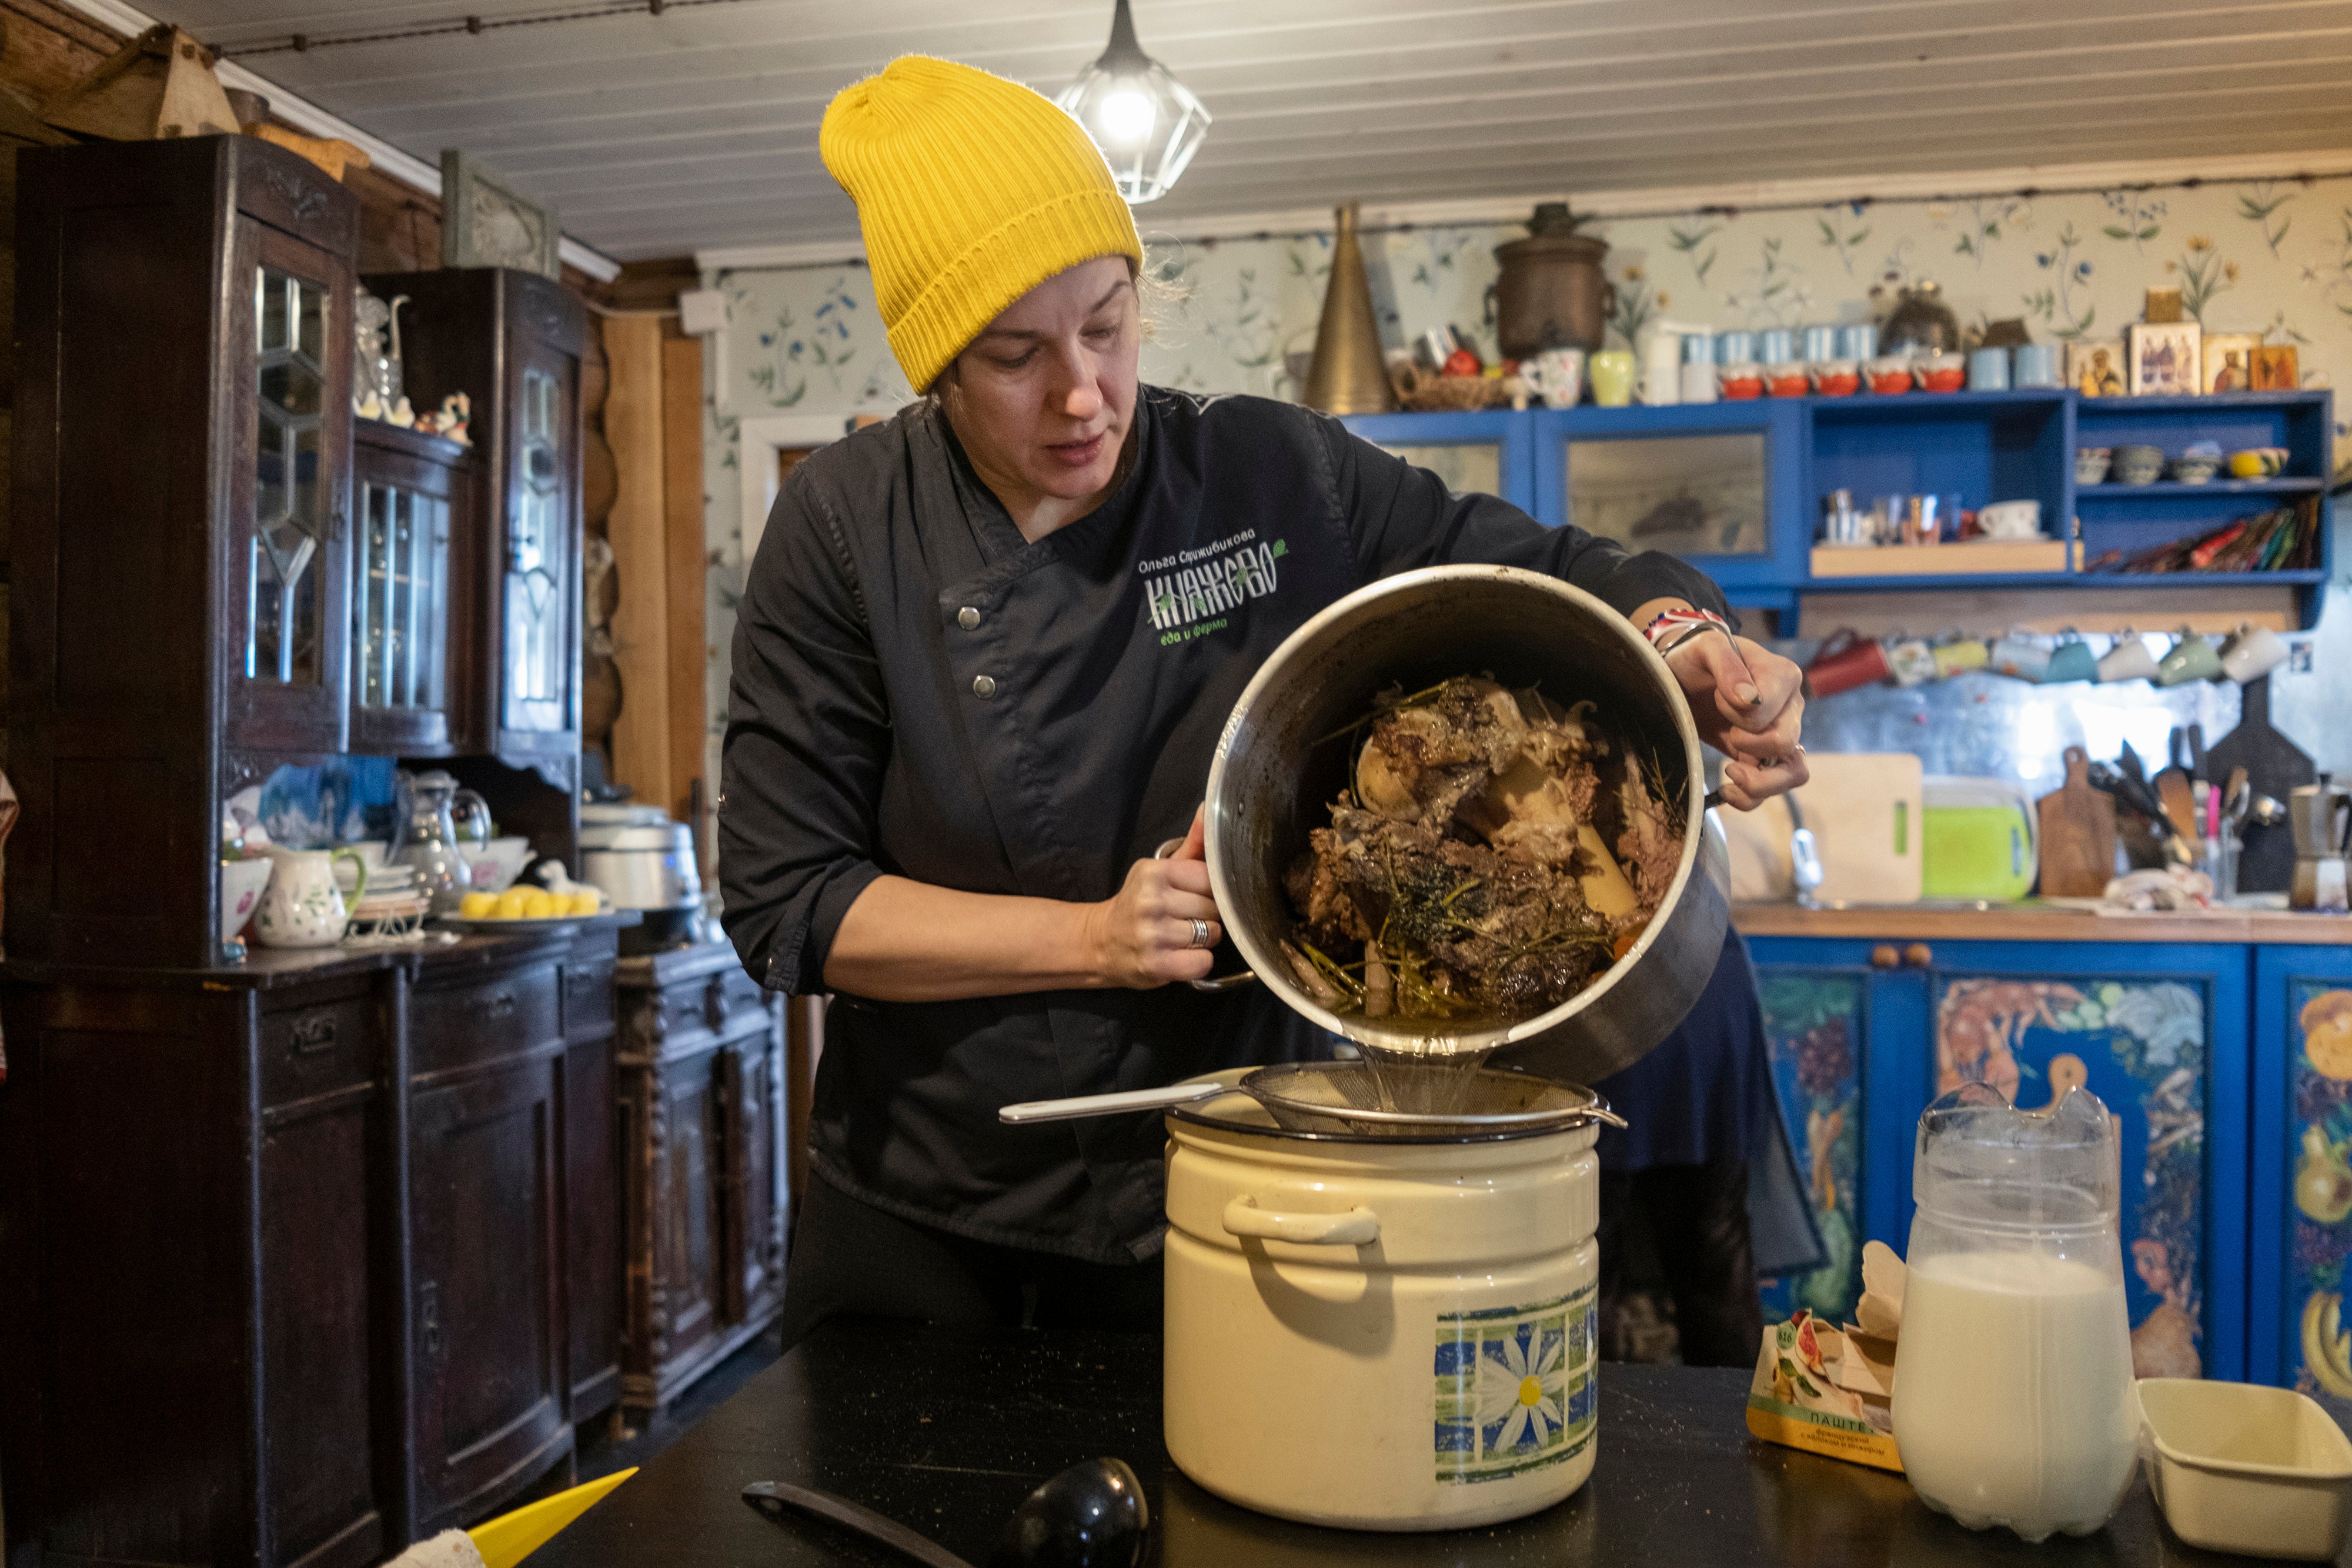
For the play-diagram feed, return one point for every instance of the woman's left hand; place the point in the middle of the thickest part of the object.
(1748, 702)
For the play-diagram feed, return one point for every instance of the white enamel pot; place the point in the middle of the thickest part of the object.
(1380, 1334)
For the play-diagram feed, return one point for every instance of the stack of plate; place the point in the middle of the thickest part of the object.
(392, 899)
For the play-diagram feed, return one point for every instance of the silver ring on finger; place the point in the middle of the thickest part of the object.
(1199, 934)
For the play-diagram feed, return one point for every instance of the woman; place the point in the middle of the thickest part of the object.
(977, 678)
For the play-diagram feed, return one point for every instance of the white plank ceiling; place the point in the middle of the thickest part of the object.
(696, 127)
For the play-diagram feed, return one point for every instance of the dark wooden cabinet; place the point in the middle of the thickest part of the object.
(181, 501)
(703, 1093)
(304, 1259)
(512, 343)
(413, 603)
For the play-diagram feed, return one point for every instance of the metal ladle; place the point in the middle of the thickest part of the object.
(1091, 1515)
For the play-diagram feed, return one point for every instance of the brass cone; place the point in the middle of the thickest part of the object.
(1348, 374)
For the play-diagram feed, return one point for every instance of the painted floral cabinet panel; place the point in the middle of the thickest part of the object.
(2140, 1045)
(2302, 1200)
(2160, 1032)
(1816, 1020)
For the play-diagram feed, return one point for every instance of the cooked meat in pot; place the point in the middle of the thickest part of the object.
(1494, 855)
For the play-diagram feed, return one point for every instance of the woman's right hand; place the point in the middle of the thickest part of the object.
(1142, 936)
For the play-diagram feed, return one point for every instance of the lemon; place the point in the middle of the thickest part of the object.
(586, 901)
(539, 905)
(478, 906)
(513, 901)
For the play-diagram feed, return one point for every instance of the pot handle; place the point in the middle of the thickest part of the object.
(1356, 1227)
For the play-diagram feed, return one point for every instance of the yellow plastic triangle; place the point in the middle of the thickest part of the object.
(511, 1537)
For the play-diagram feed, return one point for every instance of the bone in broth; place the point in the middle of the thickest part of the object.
(2013, 1391)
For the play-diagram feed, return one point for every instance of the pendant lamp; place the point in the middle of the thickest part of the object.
(1147, 123)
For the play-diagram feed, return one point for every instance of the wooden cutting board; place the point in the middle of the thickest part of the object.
(2274, 765)
(2078, 835)
(1863, 809)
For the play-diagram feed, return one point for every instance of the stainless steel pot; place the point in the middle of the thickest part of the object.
(1277, 769)
(638, 857)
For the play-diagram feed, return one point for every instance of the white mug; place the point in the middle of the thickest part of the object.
(2011, 521)
(2129, 660)
(2250, 652)
(1557, 375)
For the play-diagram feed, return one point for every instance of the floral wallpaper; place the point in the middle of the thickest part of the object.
(2272, 256)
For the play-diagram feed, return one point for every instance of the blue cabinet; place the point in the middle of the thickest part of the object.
(2301, 1230)
(2158, 1032)
(1736, 488)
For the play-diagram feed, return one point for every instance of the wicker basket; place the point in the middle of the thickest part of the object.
(1425, 391)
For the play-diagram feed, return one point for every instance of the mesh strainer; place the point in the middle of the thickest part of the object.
(1411, 1101)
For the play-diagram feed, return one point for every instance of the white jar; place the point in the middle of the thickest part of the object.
(1427, 1365)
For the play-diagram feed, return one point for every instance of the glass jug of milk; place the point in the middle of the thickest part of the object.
(2013, 1399)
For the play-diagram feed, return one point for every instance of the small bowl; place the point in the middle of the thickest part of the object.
(1888, 374)
(2139, 465)
(2092, 462)
(497, 863)
(2195, 470)
(2265, 1472)
(1742, 380)
(241, 886)
(2257, 461)
(1943, 372)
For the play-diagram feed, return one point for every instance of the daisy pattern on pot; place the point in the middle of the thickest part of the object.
(1514, 1387)
(1521, 1392)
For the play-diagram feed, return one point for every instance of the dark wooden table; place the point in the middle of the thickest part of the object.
(946, 1432)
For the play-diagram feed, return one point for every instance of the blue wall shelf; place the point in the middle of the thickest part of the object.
(1980, 446)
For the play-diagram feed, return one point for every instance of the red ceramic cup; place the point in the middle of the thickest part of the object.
(1837, 378)
(1788, 379)
(1845, 662)
(1890, 375)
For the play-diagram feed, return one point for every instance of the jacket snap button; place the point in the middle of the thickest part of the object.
(968, 618)
(983, 686)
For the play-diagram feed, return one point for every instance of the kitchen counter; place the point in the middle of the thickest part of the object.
(946, 1431)
(2036, 922)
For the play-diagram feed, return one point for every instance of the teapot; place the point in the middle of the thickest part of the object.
(303, 907)
(2013, 1395)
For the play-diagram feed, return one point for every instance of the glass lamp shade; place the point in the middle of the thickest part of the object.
(1147, 123)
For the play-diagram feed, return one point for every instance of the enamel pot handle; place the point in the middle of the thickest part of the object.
(1356, 1227)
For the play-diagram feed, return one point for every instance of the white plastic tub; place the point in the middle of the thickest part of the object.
(2264, 1472)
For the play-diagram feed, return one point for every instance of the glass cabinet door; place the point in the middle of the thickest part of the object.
(538, 663)
(408, 609)
(289, 496)
(1486, 452)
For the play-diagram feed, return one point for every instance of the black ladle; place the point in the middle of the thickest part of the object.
(1091, 1515)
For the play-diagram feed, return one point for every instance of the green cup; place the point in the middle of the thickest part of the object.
(2072, 661)
(2191, 659)
(1612, 371)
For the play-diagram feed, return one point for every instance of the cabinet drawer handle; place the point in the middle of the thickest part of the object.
(1885, 957)
(311, 1033)
(1918, 955)
(714, 1002)
(500, 1003)
(1356, 1228)
(428, 1317)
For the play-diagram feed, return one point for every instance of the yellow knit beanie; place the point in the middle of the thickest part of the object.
(972, 190)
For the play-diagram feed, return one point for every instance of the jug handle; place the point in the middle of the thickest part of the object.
(1356, 1227)
(359, 866)
(476, 810)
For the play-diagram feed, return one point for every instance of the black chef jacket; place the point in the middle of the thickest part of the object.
(919, 691)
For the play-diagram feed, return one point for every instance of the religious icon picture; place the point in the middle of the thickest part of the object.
(2275, 368)
(2230, 361)
(2095, 369)
(2164, 359)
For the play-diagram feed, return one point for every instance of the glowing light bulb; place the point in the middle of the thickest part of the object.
(1125, 117)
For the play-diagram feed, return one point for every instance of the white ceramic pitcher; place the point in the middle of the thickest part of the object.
(303, 907)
